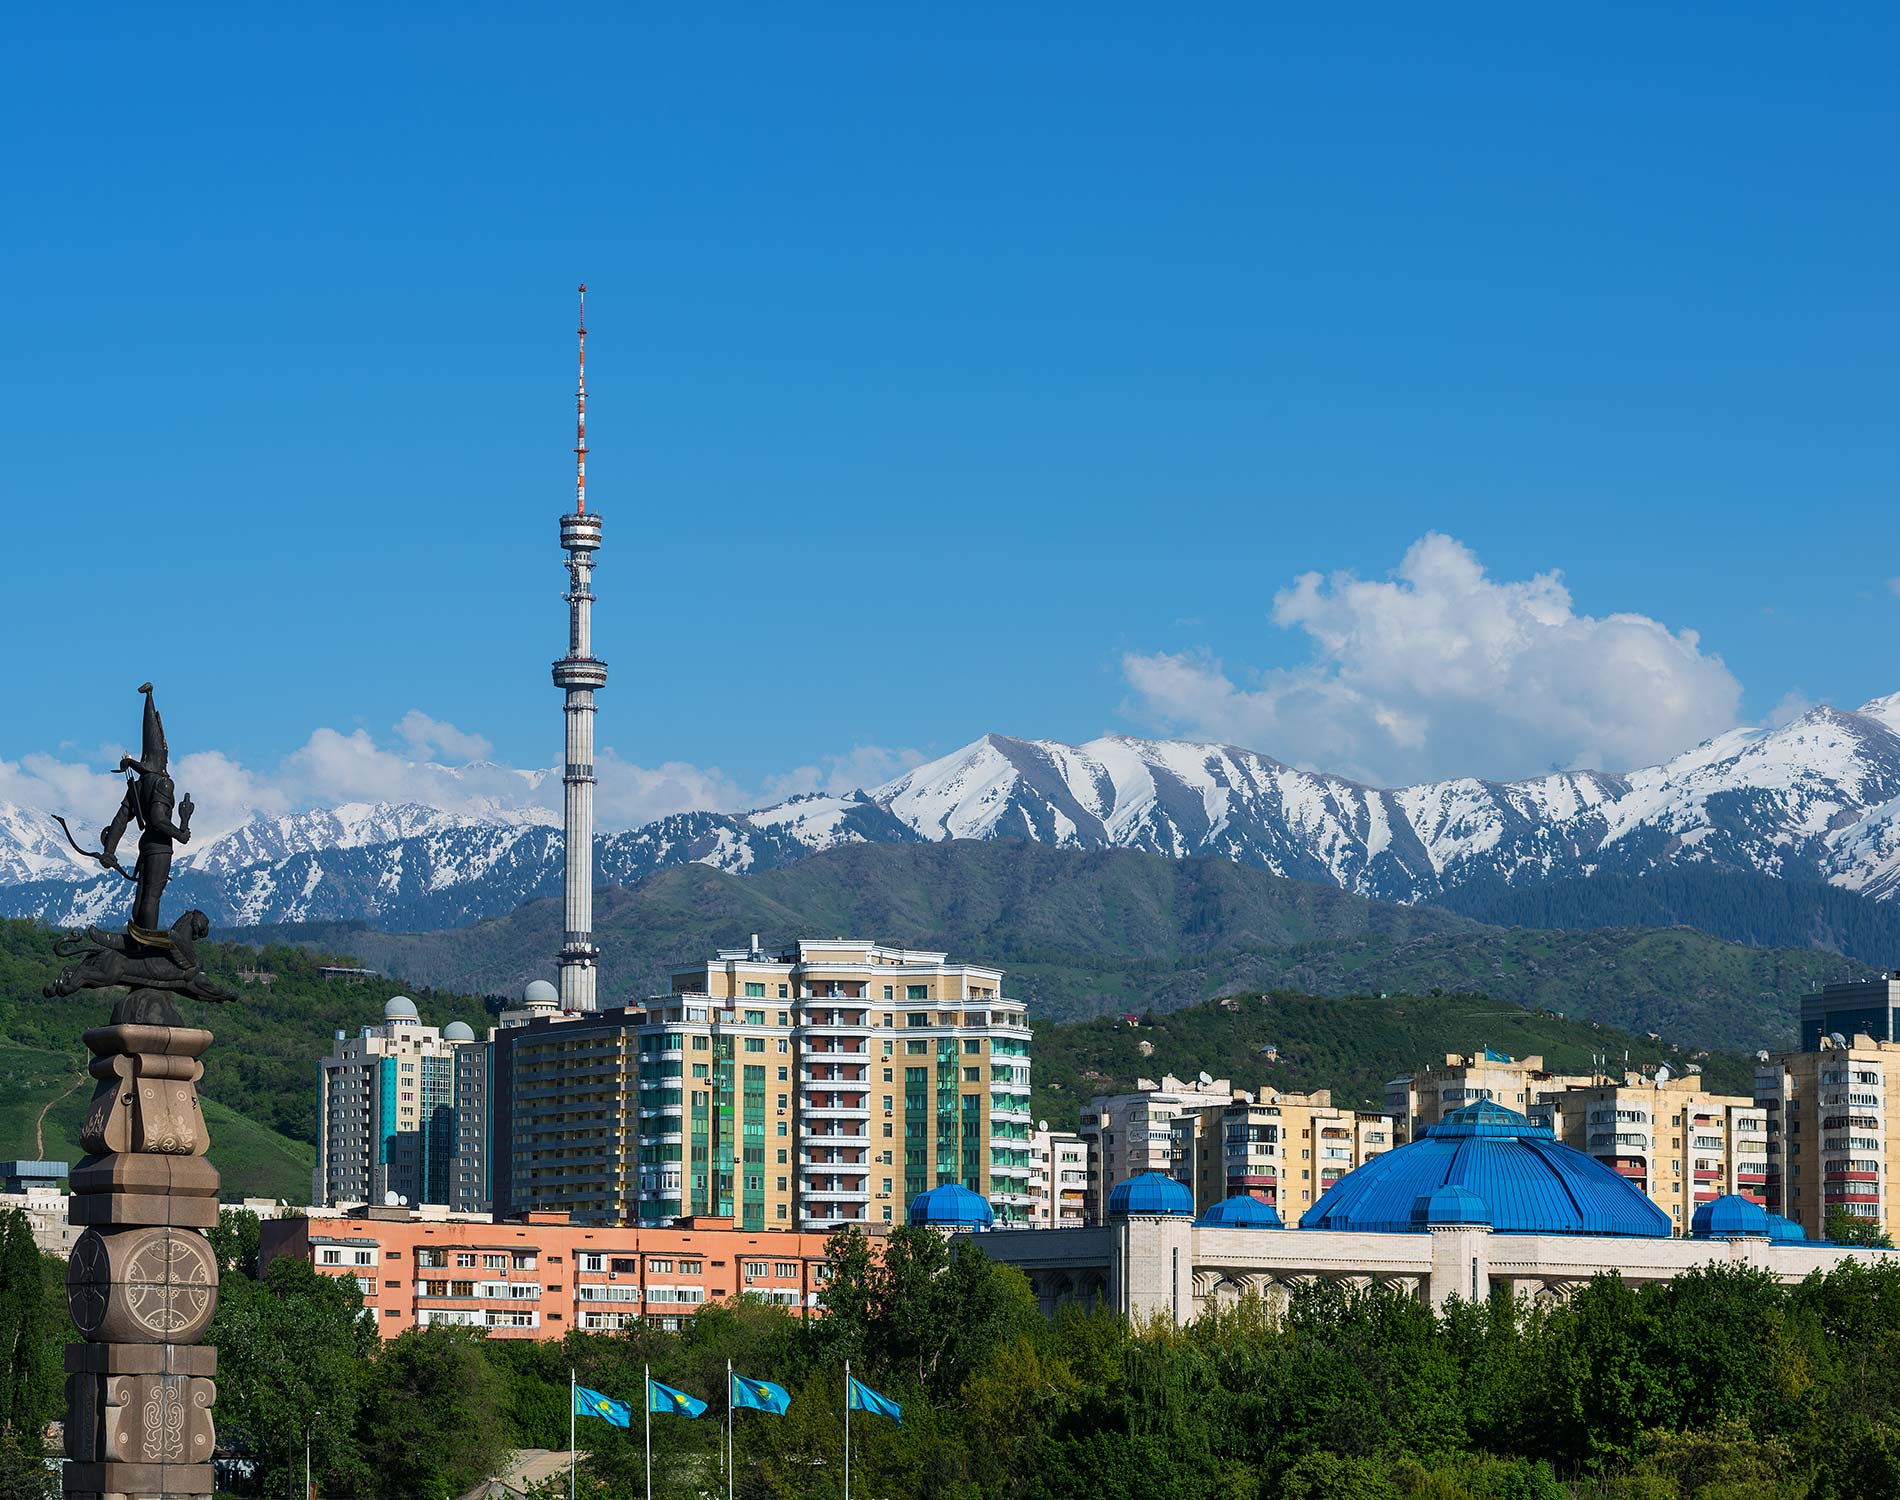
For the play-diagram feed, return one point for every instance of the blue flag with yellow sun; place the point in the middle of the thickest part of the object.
(665, 1401)
(759, 1395)
(589, 1403)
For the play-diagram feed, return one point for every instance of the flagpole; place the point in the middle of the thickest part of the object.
(847, 1431)
(729, 1429)
(648, 1403)
(573, 1399)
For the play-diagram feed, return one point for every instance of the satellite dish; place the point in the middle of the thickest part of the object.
(404, 1202)
(1662, 1073)
(1042, 1125)
(1206, 1077)
(389, 1199)
(1837, 1039)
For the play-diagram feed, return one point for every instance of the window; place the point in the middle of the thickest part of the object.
(691, 1267)
(754, 991)
(494, 1262)
(591, 1261)
(659, 1267)
(755, 1268)
(783, 1044)
(916, 992)
(461, 1289)
(890, 993)
(781, 1161)
(755, 1044)
(781, 1127)
(887, 1075)
(702, 1044)
(332, 1258)
(784, 993)
(781, 1181)
(464, 1259)
(972, 1075)
(755, 1018)
(972, 1044)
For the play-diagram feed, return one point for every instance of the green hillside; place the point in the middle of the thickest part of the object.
(259, 1090)
(1086, 934)
(1350, 1044)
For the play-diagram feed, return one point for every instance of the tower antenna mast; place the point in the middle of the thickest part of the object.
(580, 418)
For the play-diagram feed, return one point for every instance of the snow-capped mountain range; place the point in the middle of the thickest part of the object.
(1814, 799)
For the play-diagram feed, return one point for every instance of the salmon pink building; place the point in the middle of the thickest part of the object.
(537, 1275)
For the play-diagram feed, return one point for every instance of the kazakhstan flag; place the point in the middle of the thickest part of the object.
(760, 1395)
(863, 1398)
(666, 1401)
(592, 1404)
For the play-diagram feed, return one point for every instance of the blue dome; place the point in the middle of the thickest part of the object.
(1242, 1211)
(951, 1206)
(1150, 1193)
(1730, 1217)
(1526, 1181)
(1449, 1205)
(1784, 1231)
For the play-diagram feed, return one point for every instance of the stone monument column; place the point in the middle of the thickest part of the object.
(143, 1279)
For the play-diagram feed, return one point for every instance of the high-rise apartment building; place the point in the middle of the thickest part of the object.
(1675, 1139)
(1829, 1147)
(828, 1082)
(1058, 1179)
(1423, 1098)
(389, 1105)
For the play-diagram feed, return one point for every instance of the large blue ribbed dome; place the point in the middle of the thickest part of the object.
(951, 1206)
(1785, 1231)
(1730, 1217)
(1526, 1181)
(1150, 1193)
(1243, 1211)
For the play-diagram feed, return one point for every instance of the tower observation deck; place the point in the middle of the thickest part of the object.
(579, 675)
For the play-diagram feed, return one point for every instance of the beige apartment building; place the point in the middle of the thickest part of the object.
(1128, 1134)
(1284, 1148)
(1681, 1144)
(829, 1082)
(1420, 1099)
(1828, 1142)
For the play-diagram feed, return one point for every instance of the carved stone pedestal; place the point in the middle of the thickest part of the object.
(142, 1281)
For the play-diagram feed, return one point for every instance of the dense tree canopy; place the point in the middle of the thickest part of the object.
(1720, 1385)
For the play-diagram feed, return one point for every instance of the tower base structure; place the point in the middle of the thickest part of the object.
(142, 1282)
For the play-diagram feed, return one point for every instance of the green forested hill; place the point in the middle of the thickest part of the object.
(1759, 910)
(1350, 1044)
(260, 1076)
(1093, 933)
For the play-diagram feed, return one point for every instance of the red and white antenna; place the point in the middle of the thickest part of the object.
(580, 418)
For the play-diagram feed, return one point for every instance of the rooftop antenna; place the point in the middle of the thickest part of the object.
(580, 418)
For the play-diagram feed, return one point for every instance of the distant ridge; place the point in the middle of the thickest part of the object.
(1814, 802)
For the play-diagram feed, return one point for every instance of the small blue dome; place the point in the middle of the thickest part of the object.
(1730, 1217)
(1524, 1179)
(1242, 1211)
(1150, 1194)
(1784, 1231)
(1449, 1205)
(952, 1206)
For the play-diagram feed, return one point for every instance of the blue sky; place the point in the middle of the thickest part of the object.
(953, 369)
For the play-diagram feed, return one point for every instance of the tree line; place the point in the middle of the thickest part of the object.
(1719, 1385)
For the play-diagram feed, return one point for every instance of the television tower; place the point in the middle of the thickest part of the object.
(578, 674)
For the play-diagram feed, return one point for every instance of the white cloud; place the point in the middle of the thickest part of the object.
(424, 734)
(1442, 670)
(860, 768)
(332, 767)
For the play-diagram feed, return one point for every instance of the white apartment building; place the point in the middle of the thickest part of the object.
(1058, 1179)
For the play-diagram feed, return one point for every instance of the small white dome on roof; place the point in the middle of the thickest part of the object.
(540, 992)
(458, 1031)
(399, 1008)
